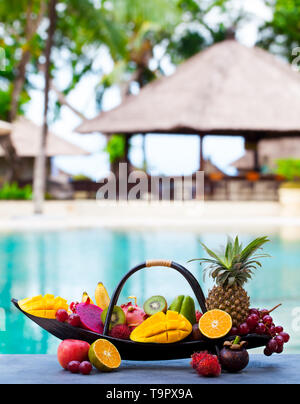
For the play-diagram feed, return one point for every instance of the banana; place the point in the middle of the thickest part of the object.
(102, 297)
(85, 296)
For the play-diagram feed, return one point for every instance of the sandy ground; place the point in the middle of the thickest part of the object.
(18, 216)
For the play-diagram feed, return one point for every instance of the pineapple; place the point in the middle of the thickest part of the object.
(231, 270)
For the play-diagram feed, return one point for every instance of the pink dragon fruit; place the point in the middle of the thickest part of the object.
(90, 316)
(134, 314)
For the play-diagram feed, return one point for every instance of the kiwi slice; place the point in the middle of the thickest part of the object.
(155, 304)
(117, 317)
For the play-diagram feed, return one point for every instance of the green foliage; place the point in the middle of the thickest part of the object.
(116, 148)
(81, 177)
(179, 27)
(6, 79)
(81, 29)
(14, 192)
(282, 33)
(130, 29)
(200, 31)
(289, 169)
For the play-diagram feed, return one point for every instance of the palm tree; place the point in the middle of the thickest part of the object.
(33, 14)
(40, 161)
(141, 25)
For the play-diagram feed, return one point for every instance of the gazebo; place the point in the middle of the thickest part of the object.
(5, 128)
(228, 89)
(25, 137)
(269, 151)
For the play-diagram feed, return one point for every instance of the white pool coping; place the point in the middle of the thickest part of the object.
(139, 215)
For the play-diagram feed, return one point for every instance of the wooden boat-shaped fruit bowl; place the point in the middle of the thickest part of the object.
(137, 351)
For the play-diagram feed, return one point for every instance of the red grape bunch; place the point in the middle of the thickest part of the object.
(260, 322)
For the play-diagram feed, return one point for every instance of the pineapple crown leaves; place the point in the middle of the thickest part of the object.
(235, 264)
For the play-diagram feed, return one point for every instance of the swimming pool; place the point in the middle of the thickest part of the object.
(66, 263)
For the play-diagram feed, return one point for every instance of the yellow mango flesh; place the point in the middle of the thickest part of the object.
(162, 328)
(44, 313)
(45, 307)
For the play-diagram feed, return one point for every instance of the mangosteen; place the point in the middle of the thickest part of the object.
(196, 334)
(234, 356)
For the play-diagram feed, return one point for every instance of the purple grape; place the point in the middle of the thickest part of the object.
(272, 345)
(73, 366)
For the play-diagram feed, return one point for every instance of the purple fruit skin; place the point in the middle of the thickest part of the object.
(90, 317)
(234, 361)
(196, 334)
(73, 366)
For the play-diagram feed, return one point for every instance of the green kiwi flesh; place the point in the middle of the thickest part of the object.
(117, 317)
(155, 304)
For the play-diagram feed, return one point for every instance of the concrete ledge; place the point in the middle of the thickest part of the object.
(44, 369)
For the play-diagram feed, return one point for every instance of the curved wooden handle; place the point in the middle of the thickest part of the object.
(154, 263)
(158, 263)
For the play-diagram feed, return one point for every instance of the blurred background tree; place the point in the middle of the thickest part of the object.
(155, 31)
(23, 34)
(281, 34)
(152, 31)
(139, 35)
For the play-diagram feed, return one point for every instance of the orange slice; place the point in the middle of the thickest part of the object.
(104, 355)
(215, 324)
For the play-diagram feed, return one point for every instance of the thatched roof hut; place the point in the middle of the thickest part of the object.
(269, 150)
(5, 128)
(227, 89)
(25, 137)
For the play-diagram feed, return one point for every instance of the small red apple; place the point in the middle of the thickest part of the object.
(72, 350)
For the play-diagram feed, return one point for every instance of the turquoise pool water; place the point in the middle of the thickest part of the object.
(70, 262)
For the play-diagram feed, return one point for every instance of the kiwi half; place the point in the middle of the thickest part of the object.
(155, 304)
(117, 317)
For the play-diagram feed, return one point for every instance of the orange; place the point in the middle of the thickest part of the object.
(104, 355)
(215, 324)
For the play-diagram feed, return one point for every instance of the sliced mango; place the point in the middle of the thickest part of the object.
(45, 307)
(51, 314)
(162, 328)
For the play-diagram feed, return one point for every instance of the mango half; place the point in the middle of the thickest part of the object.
(162, 328)
(45, 307)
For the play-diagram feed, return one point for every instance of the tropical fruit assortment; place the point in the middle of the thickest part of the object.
(229, 313)
(229, 316)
